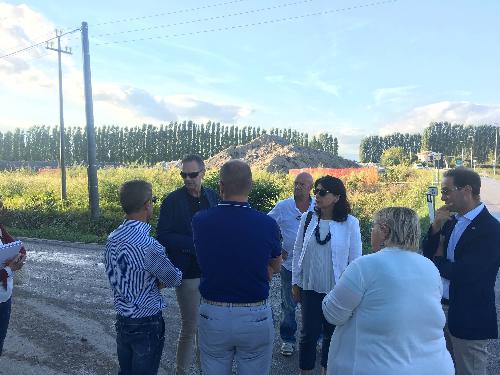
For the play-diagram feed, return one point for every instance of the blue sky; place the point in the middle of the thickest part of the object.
(354, 72)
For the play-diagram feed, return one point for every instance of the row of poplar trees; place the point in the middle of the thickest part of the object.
(146, 144)
(452, 140)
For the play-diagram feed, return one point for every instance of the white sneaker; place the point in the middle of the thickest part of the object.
(287, 349)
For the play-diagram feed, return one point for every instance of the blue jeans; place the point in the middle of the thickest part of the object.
(139, 344)
(288, 325)
(4, 320)
(244, 334)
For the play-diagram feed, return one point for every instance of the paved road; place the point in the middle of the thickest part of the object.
(62, 318)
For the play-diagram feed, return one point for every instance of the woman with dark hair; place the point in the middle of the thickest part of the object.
(328, 240)
(6, 281)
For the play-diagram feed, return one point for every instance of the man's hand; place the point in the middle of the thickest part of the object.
(284, 254)
(16, 263)
(296, 293)
(442, 216)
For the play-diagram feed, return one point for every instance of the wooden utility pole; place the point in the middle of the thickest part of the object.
(67, 51)
(89, 114)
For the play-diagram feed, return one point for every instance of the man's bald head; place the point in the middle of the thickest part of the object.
(236, 178)
(302, 185)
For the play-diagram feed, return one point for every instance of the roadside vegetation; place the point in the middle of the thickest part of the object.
(32, 207)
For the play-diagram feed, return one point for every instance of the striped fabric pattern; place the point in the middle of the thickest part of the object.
(135, 263)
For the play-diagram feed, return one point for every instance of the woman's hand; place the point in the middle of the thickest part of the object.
(296, 293)
(16, 263)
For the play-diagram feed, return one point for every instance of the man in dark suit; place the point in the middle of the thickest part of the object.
(466, 249)
(175, 234)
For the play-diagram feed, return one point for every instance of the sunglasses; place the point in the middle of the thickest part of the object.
(321, 192)
(190, 175)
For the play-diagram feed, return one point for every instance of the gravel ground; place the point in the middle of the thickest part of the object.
(62, 314)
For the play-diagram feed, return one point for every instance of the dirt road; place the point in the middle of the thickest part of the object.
(62, 318)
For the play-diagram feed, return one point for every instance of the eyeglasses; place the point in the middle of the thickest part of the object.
(449, 191)
(190, 175)
(321, 192)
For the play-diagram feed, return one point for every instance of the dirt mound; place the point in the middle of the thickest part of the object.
(275, 154)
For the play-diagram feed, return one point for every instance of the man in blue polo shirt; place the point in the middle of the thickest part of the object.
(238, 250)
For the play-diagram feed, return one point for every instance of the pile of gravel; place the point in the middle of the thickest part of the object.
(275, 154)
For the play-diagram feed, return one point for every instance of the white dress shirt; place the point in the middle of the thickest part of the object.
(459, 229)
(288, 216)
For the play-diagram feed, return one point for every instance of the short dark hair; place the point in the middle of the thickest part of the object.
(194, 157)
(335, 185)
(134, 194)
(464, 176)
(236, 176)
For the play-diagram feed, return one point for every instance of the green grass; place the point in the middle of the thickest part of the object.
(32, 207)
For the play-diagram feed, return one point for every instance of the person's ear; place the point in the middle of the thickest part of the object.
(221, 188)
(385, 230)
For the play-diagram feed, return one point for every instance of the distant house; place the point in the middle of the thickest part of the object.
(429, 156)
(434, 158)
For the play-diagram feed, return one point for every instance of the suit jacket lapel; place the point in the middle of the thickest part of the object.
(470, 233)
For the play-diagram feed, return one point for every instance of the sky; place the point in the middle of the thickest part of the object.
(349, 67)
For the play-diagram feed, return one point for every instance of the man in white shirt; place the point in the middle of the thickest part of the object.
(287, 214)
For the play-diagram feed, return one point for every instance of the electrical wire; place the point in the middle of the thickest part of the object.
(169, 13)
(38, 44)
(205, 19)
(234, 27)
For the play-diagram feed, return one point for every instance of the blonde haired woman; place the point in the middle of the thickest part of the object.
(387, 306)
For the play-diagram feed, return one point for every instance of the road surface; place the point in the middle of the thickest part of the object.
(62, 315)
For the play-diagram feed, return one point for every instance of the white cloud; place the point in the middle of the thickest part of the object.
(169, 108)
(456, 112)
(36, 77)
(393, 95)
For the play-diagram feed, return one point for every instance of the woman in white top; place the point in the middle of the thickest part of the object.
(327, 240)
(387, 306)
(7, 281)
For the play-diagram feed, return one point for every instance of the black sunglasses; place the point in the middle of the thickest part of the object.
(190, 175)
(321, 192)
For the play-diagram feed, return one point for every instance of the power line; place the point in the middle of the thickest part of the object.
(170, 13)
(206, 19)
(37, 44)
(272, 21)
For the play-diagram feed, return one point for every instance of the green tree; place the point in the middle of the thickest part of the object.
(393, 156)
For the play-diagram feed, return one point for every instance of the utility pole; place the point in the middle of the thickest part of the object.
(67, 51)
(89, 114)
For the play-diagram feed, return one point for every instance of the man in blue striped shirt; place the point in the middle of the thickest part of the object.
(138, 268)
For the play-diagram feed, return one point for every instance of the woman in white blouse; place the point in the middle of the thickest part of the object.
(327, 241)
(387, 306)
(7, 281)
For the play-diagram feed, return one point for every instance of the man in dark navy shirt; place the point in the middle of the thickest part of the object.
(238, 250)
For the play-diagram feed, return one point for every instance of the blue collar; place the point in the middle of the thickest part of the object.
(139, 225)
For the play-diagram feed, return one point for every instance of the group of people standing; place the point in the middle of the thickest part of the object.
(391, 312)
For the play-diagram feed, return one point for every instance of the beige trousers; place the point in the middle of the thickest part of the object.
(188, 298)
(469, 356)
